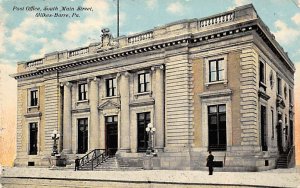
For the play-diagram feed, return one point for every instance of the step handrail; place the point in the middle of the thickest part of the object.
(90, 157)
(99, 159)
(289, 156)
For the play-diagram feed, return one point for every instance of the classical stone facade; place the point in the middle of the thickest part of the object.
(221, 83)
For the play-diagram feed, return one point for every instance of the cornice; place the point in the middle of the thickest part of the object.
(179, 41)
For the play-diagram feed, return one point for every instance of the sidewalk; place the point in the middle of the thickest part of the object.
(273, 178)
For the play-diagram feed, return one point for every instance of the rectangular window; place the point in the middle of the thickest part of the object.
(290, 96)
(263, 128)
(291, 142)
(261, 72)
(82, 135)
(279, 86)
(216, 70)
(33, 135)
(217, 127)
(33, 97)
(111, 87)
(82, 91)
(143, 119)
(144, 82)
(272, 122)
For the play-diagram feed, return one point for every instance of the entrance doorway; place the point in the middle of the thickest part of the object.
(279, 134)
(82, 135)
(33, 130)
(111, 127)
(143, 119)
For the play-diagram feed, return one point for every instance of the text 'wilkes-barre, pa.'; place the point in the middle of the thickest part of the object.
(54, 11)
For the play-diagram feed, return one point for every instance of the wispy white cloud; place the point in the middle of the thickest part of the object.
(92, 23)
(175, 8)
(284, 33)
(241, 2)
(296, 18)
(82, 32)
(3, 29)
(238, 3)
(151, 3)
(30, 31)
(53, 45)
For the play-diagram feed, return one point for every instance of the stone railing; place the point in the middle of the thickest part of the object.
(78, 52)
(140, 37)
(216, 20)
(34, 63)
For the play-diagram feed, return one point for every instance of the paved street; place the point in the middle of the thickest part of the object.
(273, 178)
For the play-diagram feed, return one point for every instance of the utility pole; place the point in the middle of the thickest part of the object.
(118, 18)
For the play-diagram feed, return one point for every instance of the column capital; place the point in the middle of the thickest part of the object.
(95, 79)
(124, 73)
(161, 67)
(68, 84)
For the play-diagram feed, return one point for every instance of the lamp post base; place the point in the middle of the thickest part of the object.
(147, 163)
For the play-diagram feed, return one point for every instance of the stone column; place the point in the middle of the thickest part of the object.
(125, 119)
(159, 108)
(94, 121)
(67, 119)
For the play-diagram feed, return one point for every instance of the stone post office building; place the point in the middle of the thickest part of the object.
(219, 83)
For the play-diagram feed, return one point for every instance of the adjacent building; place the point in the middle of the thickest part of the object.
(219, 83)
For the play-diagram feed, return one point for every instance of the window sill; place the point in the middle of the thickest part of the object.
(82, 102)
(33, 107)
(143, 93)
(225, 82)
(111, 97)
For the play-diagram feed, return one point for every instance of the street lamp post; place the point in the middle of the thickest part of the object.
(55, 136)
(150, 130)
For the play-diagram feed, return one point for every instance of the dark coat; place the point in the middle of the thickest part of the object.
(77, 162)
(210, 161)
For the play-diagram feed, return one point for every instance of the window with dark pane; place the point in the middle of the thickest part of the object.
(263, 128)
(261, 72)
(285, 91)
(279, 86)
(111, 87)
(82, 135)
(33, 135)
(217, 127)
(143, 119)
(111, 138)
(216, 70)
(143, 82)
(82, 91)
(33, 98)
(290, 97)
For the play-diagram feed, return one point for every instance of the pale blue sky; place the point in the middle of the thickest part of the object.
(24, 36)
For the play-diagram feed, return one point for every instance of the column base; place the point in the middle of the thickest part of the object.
(123, 150)
(67, 151)
(159, 149)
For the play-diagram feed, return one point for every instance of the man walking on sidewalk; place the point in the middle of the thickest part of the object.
(210, 163)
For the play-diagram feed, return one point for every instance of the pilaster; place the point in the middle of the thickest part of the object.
(67, 119)
(159, 107)
(94, 121)
(125, 119)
